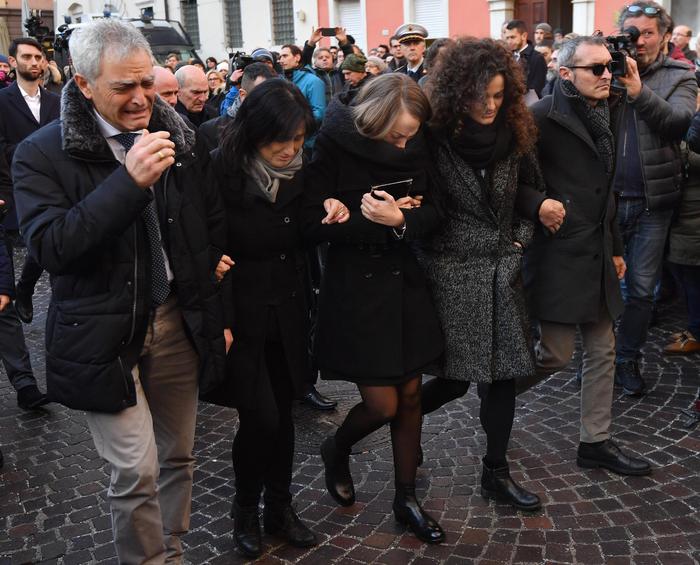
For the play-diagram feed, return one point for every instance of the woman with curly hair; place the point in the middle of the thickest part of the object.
(483, 140)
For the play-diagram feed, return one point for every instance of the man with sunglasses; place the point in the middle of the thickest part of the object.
(662, 95)
(574, 263)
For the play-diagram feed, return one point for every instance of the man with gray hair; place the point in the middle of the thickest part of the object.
(193, 95)
(112, 204)
(575, 262)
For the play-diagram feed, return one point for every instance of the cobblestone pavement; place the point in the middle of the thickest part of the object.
(53, 508)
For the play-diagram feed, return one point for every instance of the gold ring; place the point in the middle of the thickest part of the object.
(160, 154)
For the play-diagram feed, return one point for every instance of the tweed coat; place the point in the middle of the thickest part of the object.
(474, 269)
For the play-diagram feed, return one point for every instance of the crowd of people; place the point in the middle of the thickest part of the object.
(411, 221)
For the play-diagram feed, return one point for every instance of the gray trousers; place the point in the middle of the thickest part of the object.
(13, 349)
(554, 351)
(149, 446)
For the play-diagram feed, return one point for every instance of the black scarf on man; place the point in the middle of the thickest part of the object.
(596, 119)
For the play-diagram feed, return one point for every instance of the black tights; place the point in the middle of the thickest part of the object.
(496, 413)
(400, 406)
(263, 450)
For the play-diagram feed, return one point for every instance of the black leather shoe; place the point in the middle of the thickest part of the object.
(497, 484)
(31, 398)
(338, 477)
(409, 512)
(627, 376)
(316, 400)
(284, 523)
(608, 456)
(246, 530)
(24, 307)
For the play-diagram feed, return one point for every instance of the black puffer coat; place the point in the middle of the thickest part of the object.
(376, 320)
(80, 213)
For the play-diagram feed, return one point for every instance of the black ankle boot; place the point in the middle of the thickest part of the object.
(246, 529)
(408, 511)
(497, 484)
(283, 522)
(338, 477)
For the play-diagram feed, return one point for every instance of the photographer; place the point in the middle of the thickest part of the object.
(662, 94)
(322, 60)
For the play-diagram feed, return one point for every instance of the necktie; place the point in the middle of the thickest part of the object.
(160, 287)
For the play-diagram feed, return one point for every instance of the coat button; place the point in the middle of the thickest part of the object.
(396, 272)
(368, 275)
(283, 256)
(294, 294)
(129, 284)
(287, 220)
(178, 164)
(170, 220)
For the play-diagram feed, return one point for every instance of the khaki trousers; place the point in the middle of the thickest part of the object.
(149, 446)
(554, 351)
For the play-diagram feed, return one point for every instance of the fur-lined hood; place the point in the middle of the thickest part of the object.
(82, 135)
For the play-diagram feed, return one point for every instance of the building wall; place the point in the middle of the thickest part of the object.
(469, 18)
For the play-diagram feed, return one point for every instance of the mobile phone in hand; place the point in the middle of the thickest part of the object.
(328, 31)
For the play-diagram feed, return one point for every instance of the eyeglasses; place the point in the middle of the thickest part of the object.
(598, 69)
(650, 11)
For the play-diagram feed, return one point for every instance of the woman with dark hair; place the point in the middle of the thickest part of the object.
(258, 168)
(484, 137)
(211, 63)
(377, 326)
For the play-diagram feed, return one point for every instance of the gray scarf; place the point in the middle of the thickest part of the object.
(597, 121)
(267, 178)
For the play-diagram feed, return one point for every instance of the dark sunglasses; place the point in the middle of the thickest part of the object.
(598, 69)
(646, 10)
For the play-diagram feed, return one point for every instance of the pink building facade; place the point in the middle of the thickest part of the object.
(373, 22)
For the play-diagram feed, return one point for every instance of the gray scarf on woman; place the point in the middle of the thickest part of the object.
(267, 178)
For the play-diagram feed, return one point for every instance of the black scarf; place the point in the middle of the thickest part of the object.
(597, 121)
(479, 145)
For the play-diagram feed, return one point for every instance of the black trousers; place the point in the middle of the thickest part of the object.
(496, 413)
(13, 349)
(263, 450)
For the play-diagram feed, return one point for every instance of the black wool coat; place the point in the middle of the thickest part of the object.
(80, 215)
(268, 299)
(570, 275)
(376, 320)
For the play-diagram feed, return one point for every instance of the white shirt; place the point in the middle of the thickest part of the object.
(516, 54)
(34, 102)
(414, 69)
(108, 131)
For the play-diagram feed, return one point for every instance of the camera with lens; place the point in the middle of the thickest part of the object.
(60, 43)
(240, 60)
(622, 46)
(35, 27)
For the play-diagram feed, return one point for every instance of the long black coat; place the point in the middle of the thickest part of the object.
(376, 319)
(269, 284)
(80, 214)
(567, 272)
(474, 268)
(17, 123)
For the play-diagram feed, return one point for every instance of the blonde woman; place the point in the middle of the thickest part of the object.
(377, 326)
